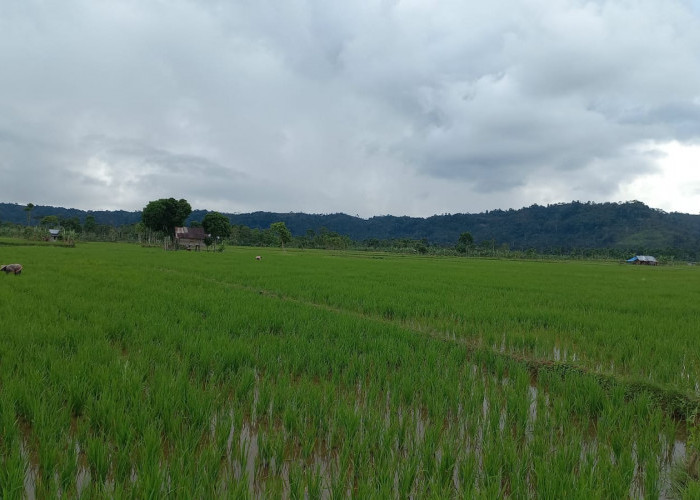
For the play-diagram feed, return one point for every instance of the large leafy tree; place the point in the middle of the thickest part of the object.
(71, 224)
(281, 230)
(165, 214)
(49, 220)
(465, 242)
(217, 225)
(90, 224)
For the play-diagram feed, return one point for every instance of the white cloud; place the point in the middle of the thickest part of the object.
(404, 107)
(675, 187)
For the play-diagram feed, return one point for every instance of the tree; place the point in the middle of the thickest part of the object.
(71, 224)
(90, 224)
(284, 234)
(49, 220)
(465, 241)
(28, 209)
(217, 225)
(166, 214)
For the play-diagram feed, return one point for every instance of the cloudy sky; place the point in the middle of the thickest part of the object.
(369, 107)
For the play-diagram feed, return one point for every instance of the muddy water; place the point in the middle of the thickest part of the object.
(563, 356)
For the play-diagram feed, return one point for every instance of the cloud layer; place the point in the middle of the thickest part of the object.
(405, 107)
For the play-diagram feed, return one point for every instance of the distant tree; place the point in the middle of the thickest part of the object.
(217, 225)
(465, 241)
(280, 229)
(71, 224)
(466, 238)
(195, 223)
(241, 235)
(166, 214)
(49, 220)
(28, 209)
(90, 224)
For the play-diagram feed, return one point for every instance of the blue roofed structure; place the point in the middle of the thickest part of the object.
(643, 260)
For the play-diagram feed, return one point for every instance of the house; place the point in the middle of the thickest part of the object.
(646, 260)
(54, 234)
(190, 238)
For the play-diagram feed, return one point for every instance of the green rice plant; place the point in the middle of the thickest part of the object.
(67, 466)
(313, 481)
(265, 449)
(244, 452)
(408, 472)
(344, 469)
(338, 486)
(467, 471)
(98, 458)
(208, 468)
(308, 444)
(239, 488)
(492, 468)
(245, 387)
(652, 488)
(296, 481)
(692, 490)
(290, 419)
(148, 465)
(13, 470)
(428, 449)
(446, 468)
(149, 483)
(274, 488)
(122, 464)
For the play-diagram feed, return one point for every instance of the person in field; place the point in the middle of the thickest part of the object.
(12, 268)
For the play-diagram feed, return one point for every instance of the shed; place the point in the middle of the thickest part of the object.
(190, 238)
(54, 233)
(646, 260)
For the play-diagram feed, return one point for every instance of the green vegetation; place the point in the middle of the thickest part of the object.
(216, 225)
(282, 233)
(166, 214)
(130, 371)
(600, 230)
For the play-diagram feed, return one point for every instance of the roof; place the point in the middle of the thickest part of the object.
(54, 232)
(190, 233)
(642, 258)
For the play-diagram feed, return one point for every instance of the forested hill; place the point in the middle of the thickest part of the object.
(630, 225)
(16, 214)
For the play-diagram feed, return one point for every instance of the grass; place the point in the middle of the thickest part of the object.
(134, 371)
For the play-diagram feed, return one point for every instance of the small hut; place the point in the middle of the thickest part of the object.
(54, 234)
(190, 238)
(644, 260)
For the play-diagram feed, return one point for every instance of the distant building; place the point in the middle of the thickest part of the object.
(646, 260)
(190, 238)
(54, 233)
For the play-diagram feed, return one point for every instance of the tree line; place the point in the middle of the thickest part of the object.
(562, 229)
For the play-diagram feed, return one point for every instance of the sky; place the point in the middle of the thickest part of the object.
(369, 107)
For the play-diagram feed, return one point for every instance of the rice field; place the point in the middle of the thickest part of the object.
(138, 373)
